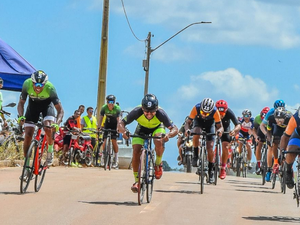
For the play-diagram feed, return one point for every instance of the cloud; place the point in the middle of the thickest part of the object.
(233, 22)
(228, 84)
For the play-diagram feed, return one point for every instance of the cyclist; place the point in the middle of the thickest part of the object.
(180, 141)
(151, 120)
(206, 117)
(227, 115)
(261, 137)
(276, 126)
(247, 124)
(112, 112)
(70, 124)
(290, 140)
(42, 99)
(263, 127)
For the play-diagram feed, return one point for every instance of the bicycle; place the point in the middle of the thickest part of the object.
(187, 153)
(83, 150)
(281, 173)
(97, 156)
(296, 193)
(264, 166)
(38, 167)
(146, 167)
(202, 158)
(242, 159)
(108, 149)
(274, 175)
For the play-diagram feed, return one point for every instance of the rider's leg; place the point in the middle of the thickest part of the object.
(258, 153)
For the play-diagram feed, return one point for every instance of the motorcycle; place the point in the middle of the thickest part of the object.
(187, 153)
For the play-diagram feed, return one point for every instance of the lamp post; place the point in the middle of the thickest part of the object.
(146, 62)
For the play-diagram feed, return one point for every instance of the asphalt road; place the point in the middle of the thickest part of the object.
(92, 195)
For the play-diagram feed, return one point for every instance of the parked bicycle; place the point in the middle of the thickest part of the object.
(146, 168)
(37, 165)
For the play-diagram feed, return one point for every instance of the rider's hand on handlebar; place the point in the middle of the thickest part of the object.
(21, 119)
(54, 125)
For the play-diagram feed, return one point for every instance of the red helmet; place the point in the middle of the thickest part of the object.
(263, 112)
(222, 105)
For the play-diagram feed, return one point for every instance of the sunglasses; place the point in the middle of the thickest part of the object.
(204, 113)
(149, 111)
(39, 85)
(221, 109)
(111, 102)
(91, 110)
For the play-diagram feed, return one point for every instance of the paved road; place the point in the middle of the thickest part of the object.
(92, 195)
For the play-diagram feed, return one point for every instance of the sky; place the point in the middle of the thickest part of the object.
(248, 55)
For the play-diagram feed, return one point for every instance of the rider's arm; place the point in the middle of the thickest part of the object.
(60, 113)
(20, 107)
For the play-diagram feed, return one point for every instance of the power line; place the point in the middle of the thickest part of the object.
(129, 23)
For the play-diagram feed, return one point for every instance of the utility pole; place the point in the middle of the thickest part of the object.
(146, 62)
(103, 58)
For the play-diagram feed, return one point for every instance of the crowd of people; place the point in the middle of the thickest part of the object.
(276, 126)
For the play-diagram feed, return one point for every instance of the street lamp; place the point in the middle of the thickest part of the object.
(146, 62)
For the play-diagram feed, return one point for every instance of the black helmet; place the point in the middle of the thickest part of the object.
(280, 113)
(111, 98)
(207, 105)
(247, 113)
(150, 102)
(39, 76)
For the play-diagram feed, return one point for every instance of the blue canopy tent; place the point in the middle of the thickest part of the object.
(14, 69)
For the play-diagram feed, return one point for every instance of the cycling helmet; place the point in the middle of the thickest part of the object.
(247, 113)
(280, 113)
(207, 105)
(110, 98)
(263, 112)
(222, 105)
(150, 102)
(279, 103)
(39, 76)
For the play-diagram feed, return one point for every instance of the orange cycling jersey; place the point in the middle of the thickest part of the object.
(291, 126)
(214, 115)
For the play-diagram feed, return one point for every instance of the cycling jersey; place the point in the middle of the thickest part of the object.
(39, 103)
(293, 130)
(111, 116)
(260, 134)
(155, 125)
(246, 126)
(229, 116)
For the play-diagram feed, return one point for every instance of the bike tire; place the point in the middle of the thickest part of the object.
(202, 158)
(189, 164)
(150, 177)
(264, 166)
(107, 154)
(238, 166)
(97, 158)
(283, 184)
(244, 163)
(216, 164)
(273, 180)
(297, 187)
(39, 178)
(141, 178)
(110, 155)
(25, 182)
(88, 156)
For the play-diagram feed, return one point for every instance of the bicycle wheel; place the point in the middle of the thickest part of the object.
(188, 163)
(216, 164)
(244, 162)
(238, 166)
(297, 187)
(107, 160)
(273, 180)
(202, 175)
(150, 177)
(41, 163)
(97, 158)
(27, 171)
(264, 166)
(88, 156)
(141, 177)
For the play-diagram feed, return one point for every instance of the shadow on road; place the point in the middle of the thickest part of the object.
(186, 182)
(258, 191)
(179, 191)
(242, 182)
(10, 193)
(274, 218)
(112, 203)
(248, 186)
